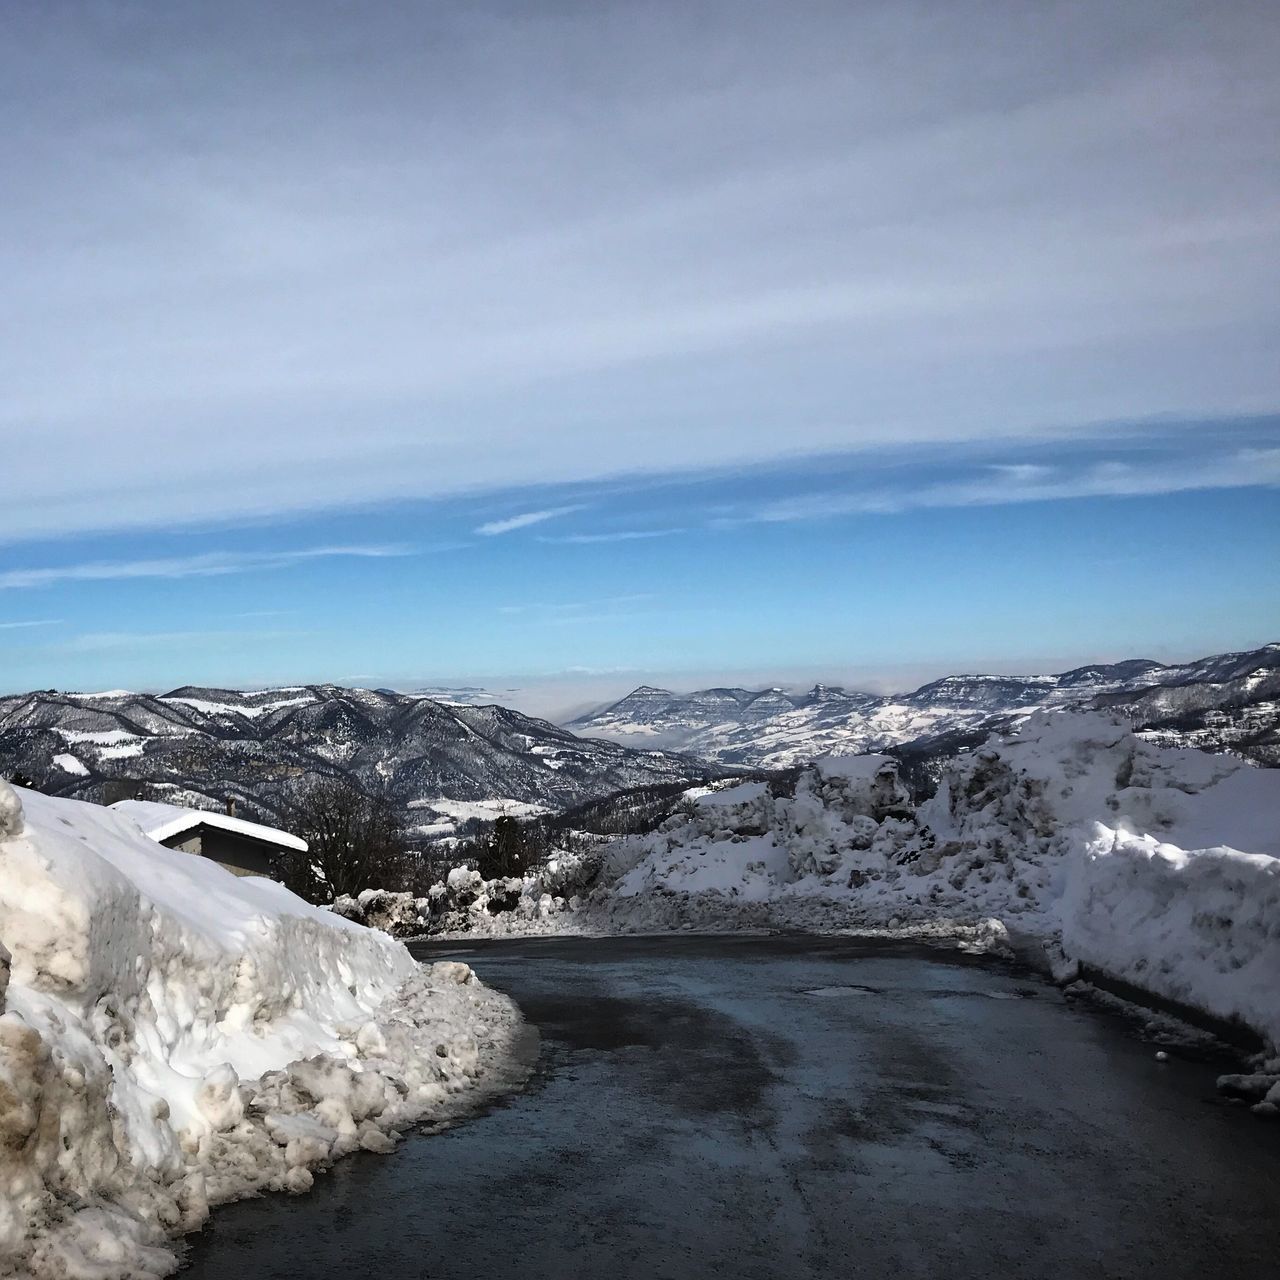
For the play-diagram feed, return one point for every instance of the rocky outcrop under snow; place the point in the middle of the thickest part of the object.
(173, 1037)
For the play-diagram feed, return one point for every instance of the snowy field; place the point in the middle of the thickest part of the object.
(1158, 866)
(445, 815)
(173, 1037)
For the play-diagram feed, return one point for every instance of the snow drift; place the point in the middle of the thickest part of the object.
(173, 1036)
(1201, 927)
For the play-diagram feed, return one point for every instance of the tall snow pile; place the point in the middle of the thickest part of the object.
(1160, 866)
(172, 1037)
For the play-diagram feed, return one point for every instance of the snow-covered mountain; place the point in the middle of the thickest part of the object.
(1227, 701)
(205, 746)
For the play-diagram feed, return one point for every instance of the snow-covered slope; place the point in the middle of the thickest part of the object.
(200, 747)
(172, 1036)
(1226, 701)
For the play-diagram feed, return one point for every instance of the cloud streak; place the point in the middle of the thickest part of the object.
(210, 564)
(526, 519)
(580, 610)
(1023, 483)
(623, 535)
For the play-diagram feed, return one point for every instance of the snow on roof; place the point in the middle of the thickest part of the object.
(161, 821)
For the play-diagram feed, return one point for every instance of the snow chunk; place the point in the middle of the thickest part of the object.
(10, 811)
(852, 768)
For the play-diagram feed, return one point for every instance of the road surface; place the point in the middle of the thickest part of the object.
(782, 1107)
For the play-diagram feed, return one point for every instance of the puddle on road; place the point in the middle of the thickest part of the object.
(853, 990)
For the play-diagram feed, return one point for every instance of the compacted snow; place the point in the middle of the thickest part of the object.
(172, 1036)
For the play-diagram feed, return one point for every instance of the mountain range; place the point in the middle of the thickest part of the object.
(442, 764)
(1225, 702)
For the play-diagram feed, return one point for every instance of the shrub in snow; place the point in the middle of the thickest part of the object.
(465, 901)
(173, 1037)
(399, 914)
(567, 875)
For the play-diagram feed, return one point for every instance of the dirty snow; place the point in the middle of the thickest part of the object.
(172, 1037)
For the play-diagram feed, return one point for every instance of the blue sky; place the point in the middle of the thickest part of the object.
(872, 568)
(897, 339)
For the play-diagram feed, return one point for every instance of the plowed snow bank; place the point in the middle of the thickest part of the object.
(173, 1037)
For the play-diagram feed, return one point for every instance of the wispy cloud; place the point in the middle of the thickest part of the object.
(35, 622)
(209, 564)
(623, 535)
(1017, 483)
(127, 641)
(1022, 472)
(578, 610)
(527, 518)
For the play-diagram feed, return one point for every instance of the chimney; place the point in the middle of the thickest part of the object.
(231, 807)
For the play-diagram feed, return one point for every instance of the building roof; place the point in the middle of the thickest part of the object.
(163, 821)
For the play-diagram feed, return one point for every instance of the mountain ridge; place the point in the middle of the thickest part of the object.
(205, 746)
(1228, 701)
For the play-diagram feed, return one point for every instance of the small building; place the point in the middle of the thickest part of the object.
(244, 848)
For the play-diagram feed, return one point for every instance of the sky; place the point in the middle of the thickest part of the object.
(554, 348)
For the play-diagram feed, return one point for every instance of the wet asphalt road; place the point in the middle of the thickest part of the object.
(779, 1107)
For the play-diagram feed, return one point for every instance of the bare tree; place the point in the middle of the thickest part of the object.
(354, 841)
(505, 852)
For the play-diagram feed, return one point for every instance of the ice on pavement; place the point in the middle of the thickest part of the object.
(173, 1036)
